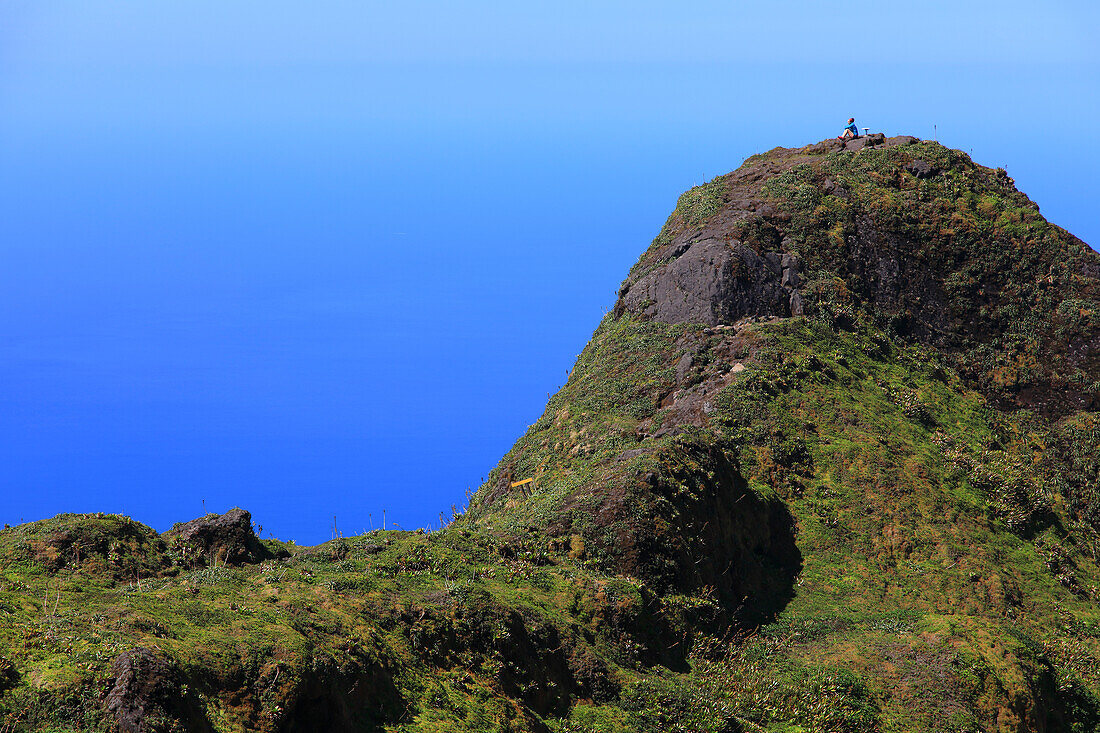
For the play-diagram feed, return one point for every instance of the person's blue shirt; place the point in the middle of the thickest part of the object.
(853, 128)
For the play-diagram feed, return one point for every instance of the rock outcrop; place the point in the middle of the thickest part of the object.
(226, 539)
(146, 696)
(717, 272)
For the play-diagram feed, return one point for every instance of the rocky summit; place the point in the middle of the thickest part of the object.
(832, 463)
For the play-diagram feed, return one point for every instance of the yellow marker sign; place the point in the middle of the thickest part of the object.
(521, 483)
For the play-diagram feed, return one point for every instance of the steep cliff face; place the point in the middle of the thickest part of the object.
(831, 463)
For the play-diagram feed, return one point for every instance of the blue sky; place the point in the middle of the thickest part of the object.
(327, 259)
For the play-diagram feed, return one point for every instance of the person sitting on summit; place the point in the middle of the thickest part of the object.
(850, 132)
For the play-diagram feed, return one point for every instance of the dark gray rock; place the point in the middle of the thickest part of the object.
(922, 169)
(830, 186)
(712, 282)
(679, 249)
(217, 539)
(825, 146)
(683, 367)
(900, 140)
(865, 141)
(796, 304)
(791, 261)
(875, 139)
(146, 695)
(9, 675)
(790, 278)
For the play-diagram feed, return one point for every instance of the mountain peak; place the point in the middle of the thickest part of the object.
(909, 234)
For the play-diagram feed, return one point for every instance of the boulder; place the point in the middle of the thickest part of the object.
(922, 168)
(900, 140)
(217, 539)
(870, 140)
(146, 695)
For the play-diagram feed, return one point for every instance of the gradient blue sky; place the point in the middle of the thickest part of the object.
(329, 258)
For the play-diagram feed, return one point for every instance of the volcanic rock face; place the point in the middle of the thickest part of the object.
(711, 281)
(706, 274)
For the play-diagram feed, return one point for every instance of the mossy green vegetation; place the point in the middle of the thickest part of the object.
(929, 525)
(880, 516)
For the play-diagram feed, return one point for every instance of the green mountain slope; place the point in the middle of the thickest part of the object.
(831, 464)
